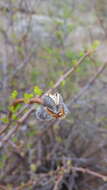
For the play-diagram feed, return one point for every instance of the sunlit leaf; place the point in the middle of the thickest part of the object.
(37, 90)
(14, 94)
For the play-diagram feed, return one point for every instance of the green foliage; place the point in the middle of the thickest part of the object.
(14, 139)
(14, 94)
(5, 119)
(32, 132)
(59, 34)
(70, 27)
(3, 158)
(14, 117)
(81, 53)
(35, 75)
(71, 55)
(38, 91)
(96, 44)
(63, 83)
(67, 11)
(27, 97)
(33, 167)
(14, 109)
(59, 139)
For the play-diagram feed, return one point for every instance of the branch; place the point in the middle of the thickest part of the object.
(64, 76)
(14, 129)
(89, 84)
(36, 100)
(39, 100)
(17, 10)
(56, 187)
(88, 171)
(29, 183)
(2, 187)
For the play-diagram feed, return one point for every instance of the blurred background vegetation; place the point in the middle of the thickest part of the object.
(39, 41)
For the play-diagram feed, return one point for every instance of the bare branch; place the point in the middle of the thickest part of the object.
(88, 171)
(89, 84)
(56, 187)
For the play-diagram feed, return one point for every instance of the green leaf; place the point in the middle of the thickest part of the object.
(63, 83)
(12, 109)
(49, 50)
(59, 139)
(27, 97)
(14, 139)
(96, 44)
(14, 117)
(33, 167)
(4, 120)
(37, 90)
(59, 34)
(14, 94)
(81, 54)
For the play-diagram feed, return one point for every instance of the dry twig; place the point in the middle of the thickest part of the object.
(88, 171)
(89, 84)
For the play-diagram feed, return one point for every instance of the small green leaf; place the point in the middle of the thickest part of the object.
(51, 83)
(14, 117)
(96, 44)
(49, 50)
(14, 94)
(59, 139)
(37, 90)
(59, 34)
(12, 109)
(33, 167)
(81, 53)
(63, 83)
(74, 62)
(4, 120)
(27, 97)
(14, 139)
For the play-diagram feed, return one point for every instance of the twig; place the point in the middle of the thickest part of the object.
(17, 10)
(89, 84)
(2, 187)
(4, 129)
(36, 100)
(39, 100)
(14, 129)
(56, 187)
(88, 171)
(18, 101)
(64, 76)
(29, 183)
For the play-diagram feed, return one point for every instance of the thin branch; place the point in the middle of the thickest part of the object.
(14, 129)
(60, 178)
(2, 187)
(4, 128)
(29, 183)
(64, 76)
(88, 171)
(89, 84)
(17, 10)
(36, 100)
